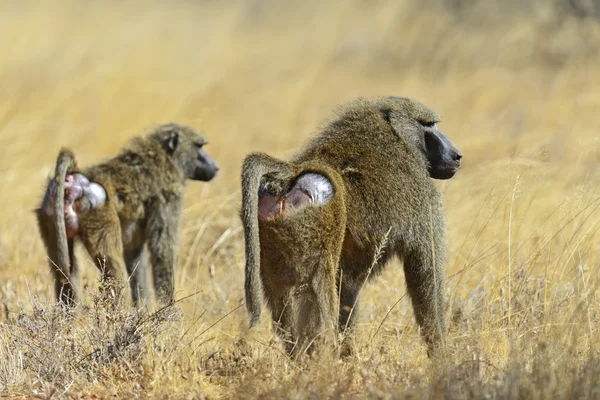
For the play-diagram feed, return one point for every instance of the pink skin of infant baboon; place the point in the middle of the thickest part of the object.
(309, 189)
(81, 195)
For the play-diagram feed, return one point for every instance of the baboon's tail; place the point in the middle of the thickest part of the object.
(64, 163)
(255, 166)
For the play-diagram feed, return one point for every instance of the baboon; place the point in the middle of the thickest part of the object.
(313, 225)
(117, 207)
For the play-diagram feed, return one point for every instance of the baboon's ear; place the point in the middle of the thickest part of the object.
(171, 142)
(386, 113)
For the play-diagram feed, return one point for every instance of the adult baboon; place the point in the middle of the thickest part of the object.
(117, 207)
(362, 181)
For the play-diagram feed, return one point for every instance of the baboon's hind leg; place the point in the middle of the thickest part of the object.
(317, 310)
(64, 281)
(348, 311)
(101, 236)
(283, 319)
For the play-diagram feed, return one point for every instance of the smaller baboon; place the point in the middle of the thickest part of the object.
(313, 226)
(117, 207)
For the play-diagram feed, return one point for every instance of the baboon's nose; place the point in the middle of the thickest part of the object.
(457, 156)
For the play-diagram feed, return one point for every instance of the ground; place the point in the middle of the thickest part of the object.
(517, 89)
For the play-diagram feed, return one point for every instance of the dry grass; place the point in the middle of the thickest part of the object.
(518, 93)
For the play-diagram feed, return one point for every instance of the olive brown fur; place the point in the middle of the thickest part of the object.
(136, 201)
(379, 155)
(298, 252)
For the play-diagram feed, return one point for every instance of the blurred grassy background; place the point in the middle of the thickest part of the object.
(517, 85)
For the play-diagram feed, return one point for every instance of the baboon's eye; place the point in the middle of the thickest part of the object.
(427, 124)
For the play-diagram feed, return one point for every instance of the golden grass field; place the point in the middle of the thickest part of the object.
(519, 95)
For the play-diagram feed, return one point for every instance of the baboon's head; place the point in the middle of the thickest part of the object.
(185, 146)
(418, 123)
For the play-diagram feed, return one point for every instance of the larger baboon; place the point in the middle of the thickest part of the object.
(117, 207)
(362, 182)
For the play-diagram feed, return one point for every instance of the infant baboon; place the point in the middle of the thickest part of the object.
(362, 182)
(117, 207)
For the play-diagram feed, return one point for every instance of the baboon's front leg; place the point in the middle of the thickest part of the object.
(135, 262)
(163, 234)
(425, 282)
